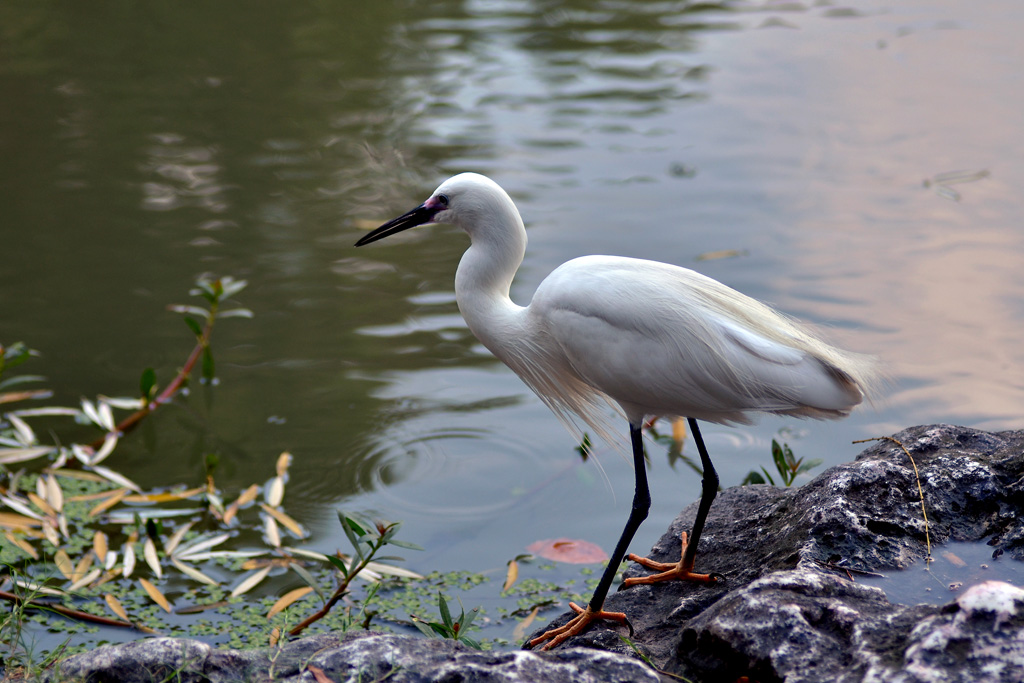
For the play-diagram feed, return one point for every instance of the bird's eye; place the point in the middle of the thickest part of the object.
(443, 198)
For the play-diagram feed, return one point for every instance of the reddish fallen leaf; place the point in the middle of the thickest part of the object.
(568, 550)
(318, 674)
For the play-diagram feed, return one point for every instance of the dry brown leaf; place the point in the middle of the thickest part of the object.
(115, 606)
(50, 533)
(149, 552)
(275, 635)
(284, 519)
(64, 564)
(156, 595)
(165, 497)
(519, 632)
(10, 520)
(192, 572)
(100, 546)
(21, 543)
(511, 575)
(287, 599)
(83, 565)
(249, 495)
(318, 674)
(954, 559)
(110, 502)
(568, 550)
(41, 504)
(283, 461)
(251, 582)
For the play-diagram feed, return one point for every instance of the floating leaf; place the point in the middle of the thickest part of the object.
(21, 507)
(284, 519)
(83, 566)
(251, 582)
(156, 595)
(165, 496)
(200, 544)
(568, 550)
(193, 573)
(41, 504)
(54, 494)
(50, 533)
(175, 539)
(287, 599)
(64, 564)
(21, 543)
(275, 491)
(9, 456)
(119, 479)
(129, 560)
(271, 532)
(283, 462)
(115, 606)
(85, 580)
(149, 552)
(519, 632)
(511, 575)
(110, 502)
(109, 442)
(24, 432)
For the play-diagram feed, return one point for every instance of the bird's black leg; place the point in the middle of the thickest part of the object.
(641, 506)
(709, 489)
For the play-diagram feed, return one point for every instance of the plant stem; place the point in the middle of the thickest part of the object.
(66, 611)
(171, 389)
(338, 594)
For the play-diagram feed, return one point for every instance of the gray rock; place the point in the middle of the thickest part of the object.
(351, 657)
(789, 610)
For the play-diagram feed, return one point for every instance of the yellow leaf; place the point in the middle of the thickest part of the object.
(64, 564)
(679, 430)
(520, 631)
(110, 502)
(283, 461)
(100, 546)
(149, 552)
(115, 606)
(284, 519)
(50, 533)
(273, 535)
(165, 497)
(42, 505)
(172, 543)
(287, 599)
(81, 475)
(193, 573)
(275, 635)
(85, 580)
(54, 493)
(511, 575)
(156, 595)
(83, 565)
(276, 493)
(21, 543)
(249, 495)
(9, 520)
(251, 581)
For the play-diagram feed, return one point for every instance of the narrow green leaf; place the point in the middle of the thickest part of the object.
(147, 384)
(208, 367)
(338, 563)
(446, 616)
(405, 544)
(193, 325)
(424, 628)
(768, 476)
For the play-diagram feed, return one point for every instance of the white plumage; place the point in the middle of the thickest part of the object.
(651, 338)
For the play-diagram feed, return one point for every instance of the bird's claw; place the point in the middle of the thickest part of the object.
(575, 626)
(669, 570)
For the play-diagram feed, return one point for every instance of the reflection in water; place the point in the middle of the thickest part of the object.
(795, 134)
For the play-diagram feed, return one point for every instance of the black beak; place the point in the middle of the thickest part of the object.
(418, 216)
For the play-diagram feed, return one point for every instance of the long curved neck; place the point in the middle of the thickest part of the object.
(484, 277)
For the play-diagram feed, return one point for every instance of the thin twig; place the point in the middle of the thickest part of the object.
(920, 489)
(66, 611)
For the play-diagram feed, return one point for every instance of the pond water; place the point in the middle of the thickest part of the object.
(859, 166)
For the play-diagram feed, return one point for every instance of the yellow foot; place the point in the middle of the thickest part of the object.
(668, 570)
(583, 617)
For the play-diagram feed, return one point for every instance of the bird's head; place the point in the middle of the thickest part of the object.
(467, 200)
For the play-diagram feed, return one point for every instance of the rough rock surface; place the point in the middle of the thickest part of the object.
(788, 611)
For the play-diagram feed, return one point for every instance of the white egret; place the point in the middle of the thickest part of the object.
(651, 338)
